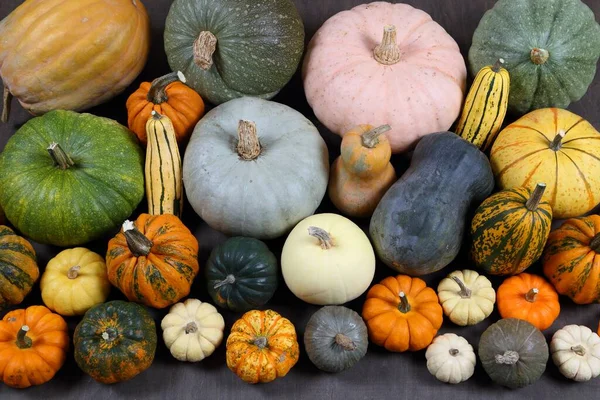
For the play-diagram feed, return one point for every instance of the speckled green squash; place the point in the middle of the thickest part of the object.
(72, 206)
(550, 48)
(259, 44)
(115, 341)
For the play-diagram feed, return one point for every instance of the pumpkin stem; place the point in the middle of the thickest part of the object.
(7, 100)
(509, 357)
(73, 272)
(23, 342)
(61, 159)
(404, 305)
(453, 352)
(157, 93)
(465, 292)
(260, 342)
(370, 139)
(579, 350)
(539, 56)
(248, 145)
(595, 243)
(534, 200)
(498, 65)
(557, 142)
(109, 334)
(138, 243)
(531, 295)
(191, 327)
(229, 280)
(204, 48)
(387, 52)
(345, 342)
(324, 237)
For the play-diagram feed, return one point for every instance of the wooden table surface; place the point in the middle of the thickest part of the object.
(380, 374)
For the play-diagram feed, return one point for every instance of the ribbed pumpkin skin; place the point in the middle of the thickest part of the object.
(18, 268)
(72, 54)
(259, 45)
(115, 341)
(507, 237)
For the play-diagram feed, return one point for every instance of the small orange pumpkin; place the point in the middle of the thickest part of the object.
(530, 298)
(33, 346)
(167, 95)
(262, 346)
(402, 314)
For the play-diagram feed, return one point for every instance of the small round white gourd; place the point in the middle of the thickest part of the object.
(576, 352)
(450, 358)
(192, 330)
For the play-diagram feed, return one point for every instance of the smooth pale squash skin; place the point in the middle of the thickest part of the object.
(576, 352)
(73, 54)
(450, 358)
(18, 267)
(567, 29)
(522, 157)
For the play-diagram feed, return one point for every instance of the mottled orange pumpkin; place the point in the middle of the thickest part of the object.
(262, 347)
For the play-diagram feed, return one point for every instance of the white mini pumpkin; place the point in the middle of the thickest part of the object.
(466, 297)
(450, 358)
(192, 330)
(576, 352)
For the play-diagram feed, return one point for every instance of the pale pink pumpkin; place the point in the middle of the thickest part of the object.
(413, 79)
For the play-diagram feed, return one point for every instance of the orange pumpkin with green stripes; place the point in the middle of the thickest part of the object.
(510, 229)
(554, 146)
(153, 260)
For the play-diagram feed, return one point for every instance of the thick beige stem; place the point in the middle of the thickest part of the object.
(345, 342)
(7, 100)
(465, 292)
(248, 146)
(73, 272)
(370, 139)
(204, 48)
(531, 295)
(509, 357)
(539, 56)
(387, 52)
(324, 237)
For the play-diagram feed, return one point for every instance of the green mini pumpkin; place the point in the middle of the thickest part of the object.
(241, 274)
(549, 47)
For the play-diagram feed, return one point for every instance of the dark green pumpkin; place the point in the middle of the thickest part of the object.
(550, 49)
(18, 268)
(241, 274)
(513, 352)
(417, 228)
(101, 185)
(259, 44)
(115, 341)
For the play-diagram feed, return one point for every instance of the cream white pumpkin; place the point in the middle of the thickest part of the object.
(327, 260)
(466, 297)
(192, 330)
(450, 358)
(575, 351)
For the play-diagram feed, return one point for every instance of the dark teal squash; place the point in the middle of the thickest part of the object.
(241, 274)
(418, 226)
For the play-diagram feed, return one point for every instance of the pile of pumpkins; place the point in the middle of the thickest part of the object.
(386, 78)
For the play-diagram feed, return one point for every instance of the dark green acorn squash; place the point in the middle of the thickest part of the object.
(241, 274)
(549, 47)
(234, 48)
(418, 226)
(115, 341)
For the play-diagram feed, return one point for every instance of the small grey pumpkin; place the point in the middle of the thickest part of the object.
(335, 338)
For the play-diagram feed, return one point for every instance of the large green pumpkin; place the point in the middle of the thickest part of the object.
(550, 48)
(234, 48)
(91, 182)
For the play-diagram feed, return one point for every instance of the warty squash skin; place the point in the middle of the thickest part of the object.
(18, 268)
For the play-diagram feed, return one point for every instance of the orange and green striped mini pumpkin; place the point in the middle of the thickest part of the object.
(18, 268)
(510, 229)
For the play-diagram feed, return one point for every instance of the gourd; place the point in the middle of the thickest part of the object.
(335, 338)
(556, 147)
(241, 274)
(509, 230)
(327, 259)
(450, 358)
(81, 54)
(115, 341)
(33, 346)
(230, 49)
(576, 352)
(192, 330)
(164, 182)
(485, 106)
(74, 281)
(399, 63)
(262, 347)
(513, 352)
(417, 227)
(169, 96)
(153, 260)
(96, 165)
(550, 48)
(466, 297)
(255, 168)
(571, 258)
(530, 298)
(18, 268)
(362, 174)
(402, 314)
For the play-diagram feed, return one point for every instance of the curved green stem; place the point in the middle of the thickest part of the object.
(138, 243)
(404, 305)
(157, 93)
(23, 342)
(60, 158)
(536, 197)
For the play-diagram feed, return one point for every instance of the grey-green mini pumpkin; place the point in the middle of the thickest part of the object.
(550, 48)
(234, 48)
(335, 338)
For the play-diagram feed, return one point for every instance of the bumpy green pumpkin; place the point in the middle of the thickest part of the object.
(241, 274)
(94, 180)
(115, 341)
(550, 48)
(18, 268)
(234, 48)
